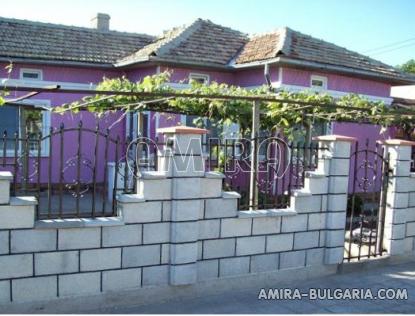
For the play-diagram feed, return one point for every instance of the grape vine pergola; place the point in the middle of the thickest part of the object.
(254, 109)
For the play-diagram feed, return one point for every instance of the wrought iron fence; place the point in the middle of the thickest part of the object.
(78, 171)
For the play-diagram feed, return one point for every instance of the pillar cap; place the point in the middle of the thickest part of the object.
(331, 138)
(398, 142)
(180, 129)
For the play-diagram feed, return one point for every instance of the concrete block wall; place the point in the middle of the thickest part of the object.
(178, 229)
(399, 231)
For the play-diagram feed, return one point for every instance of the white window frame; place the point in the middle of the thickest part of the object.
(320, 78)
(195, 76)
(33, 71)
(46, 123)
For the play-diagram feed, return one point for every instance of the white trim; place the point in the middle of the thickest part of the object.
(334, 93)
(318, 78)
(41, 84)
(196, 75)
(39, 72)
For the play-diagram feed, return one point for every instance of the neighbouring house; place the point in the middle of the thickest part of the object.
(46, 54)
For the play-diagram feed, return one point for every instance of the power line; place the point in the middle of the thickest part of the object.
(389, 45)
(392, 49)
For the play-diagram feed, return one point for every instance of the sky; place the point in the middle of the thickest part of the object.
(382, 29)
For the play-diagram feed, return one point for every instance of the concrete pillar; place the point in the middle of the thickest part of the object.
(336, 164)
(400, 184)
(182, 161)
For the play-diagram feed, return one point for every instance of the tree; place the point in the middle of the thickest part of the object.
(408, 67)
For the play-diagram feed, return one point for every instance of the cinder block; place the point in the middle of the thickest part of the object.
(250, 245)
(209, 229)
(337, 202)
(186, 210)
(156, 275)
(220, 208)
(315, 257)
(16, 266)
(165, 253)
(184, 231)
(305, 240)
(282, 242)
(316, 185)
(233, 227)
(166, 211)
(233, 266)
(307, 204)
(34, 289)
(56, 262)
(266, 225)
(199, 250)
(100, 259)
(183, 253)
(4, 191)
(316, 221)
(138, 256)
(141, 212)
(183, 274)
(409, 244)
(156, 233)
(339, 167)
(322, 241)
(33, 240)
(4, 292)
(400, 168)
(411, 200)
(396, 231)
(186, 166)
(397, 152)
(394, 247)
(187, 144)
(409, 214)
(333, 255)
(338, 184)
(126, 235)
(339, 149)
(121, 279)
(17, 216)
(207, 269)
(400, 184)
(154, 189)
(186, 188)
(397, 200)
(4, 242)
(79, 284)
(292, 259)
(336, 220)
(211, 187)
(410, 229)
(335, 238)
(218, 248)
(294, 223)
(79, 238)
(264, 263)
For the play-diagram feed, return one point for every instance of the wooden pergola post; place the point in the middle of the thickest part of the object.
(253, 192)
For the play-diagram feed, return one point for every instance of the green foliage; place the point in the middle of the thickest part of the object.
(409, 66)
(286, 111)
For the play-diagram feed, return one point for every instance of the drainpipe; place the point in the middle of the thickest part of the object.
(267, 76)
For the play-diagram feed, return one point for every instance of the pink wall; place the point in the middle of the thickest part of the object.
(336, 82)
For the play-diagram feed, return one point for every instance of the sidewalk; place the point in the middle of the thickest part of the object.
(246, 301)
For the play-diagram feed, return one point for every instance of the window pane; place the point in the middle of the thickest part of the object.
(31, 126)
(9, 122)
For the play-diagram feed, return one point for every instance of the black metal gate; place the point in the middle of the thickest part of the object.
(369, 172)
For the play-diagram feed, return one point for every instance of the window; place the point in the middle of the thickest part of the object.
(199, 78)
(26, 121)
(318, 82)
(31, 74)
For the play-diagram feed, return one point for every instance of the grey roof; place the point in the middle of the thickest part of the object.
(52, 42)
(200, 42)
(294, 45)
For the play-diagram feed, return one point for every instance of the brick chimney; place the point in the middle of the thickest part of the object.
(101, 22)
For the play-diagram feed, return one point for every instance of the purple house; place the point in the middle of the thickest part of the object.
(78, 58)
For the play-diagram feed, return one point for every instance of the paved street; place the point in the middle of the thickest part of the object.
(246, 301)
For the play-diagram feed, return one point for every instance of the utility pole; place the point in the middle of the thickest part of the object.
(253, 191)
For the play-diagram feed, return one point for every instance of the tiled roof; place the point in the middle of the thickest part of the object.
(295, 45)
(36, 40)
(200, 42)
